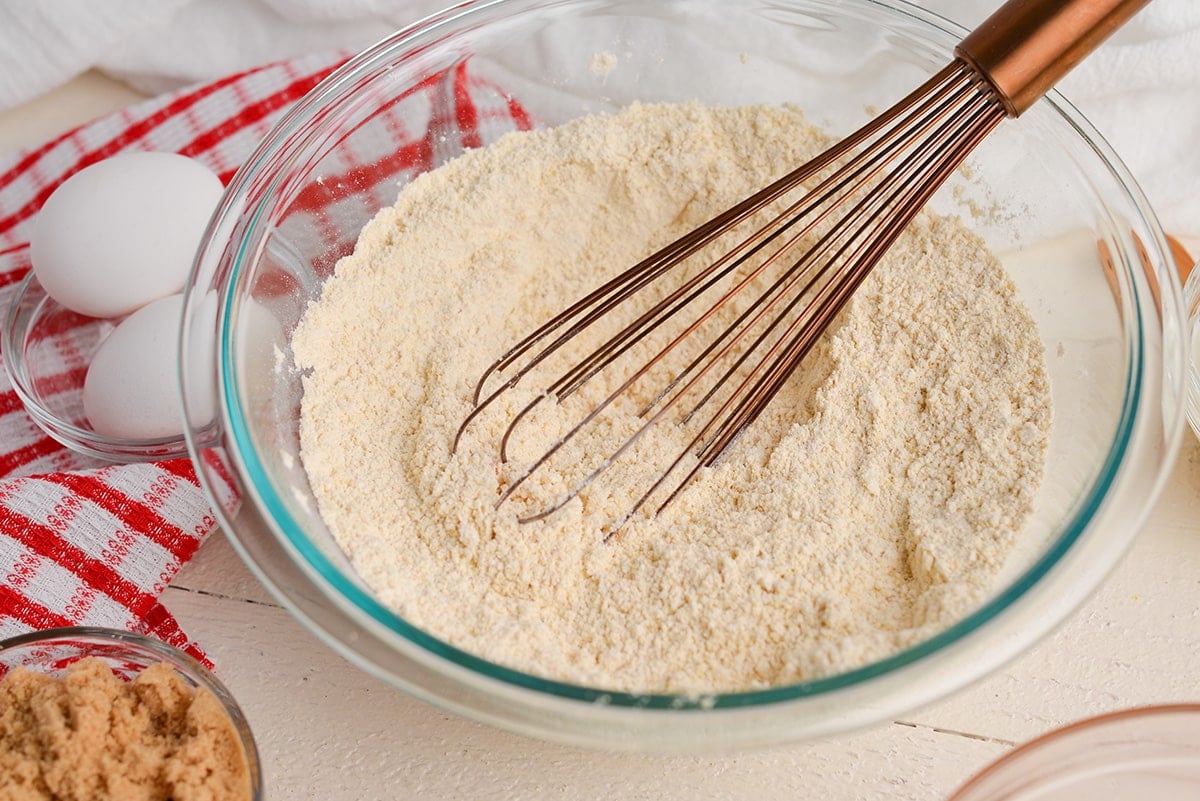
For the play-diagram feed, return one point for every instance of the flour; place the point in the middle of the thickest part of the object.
(871, 505)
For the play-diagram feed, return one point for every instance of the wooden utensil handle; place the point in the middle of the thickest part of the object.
(1183, 260)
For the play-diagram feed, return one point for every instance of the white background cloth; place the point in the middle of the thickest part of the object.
(1141, 89)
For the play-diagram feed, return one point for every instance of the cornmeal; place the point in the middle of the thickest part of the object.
(871, 506)
(90, 736)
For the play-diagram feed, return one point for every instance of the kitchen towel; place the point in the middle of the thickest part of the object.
(87, 543)
(82, 542)
(1141, 89)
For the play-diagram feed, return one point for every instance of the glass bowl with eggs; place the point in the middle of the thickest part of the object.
(955, 466)
(90, 336)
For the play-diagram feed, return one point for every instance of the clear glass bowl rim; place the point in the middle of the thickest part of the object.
(354, 601)
(1192, 299)
(1012, 760)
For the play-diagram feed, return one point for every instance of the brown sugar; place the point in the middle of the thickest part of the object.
(91, 736)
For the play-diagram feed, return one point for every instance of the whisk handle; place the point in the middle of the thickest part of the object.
(1026, 46)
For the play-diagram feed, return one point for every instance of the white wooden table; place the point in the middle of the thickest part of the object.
(328, 731)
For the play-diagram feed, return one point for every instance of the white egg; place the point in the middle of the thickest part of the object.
(123, 232)
(130, 388)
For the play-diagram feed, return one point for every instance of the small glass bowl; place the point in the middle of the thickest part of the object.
(52, 651)
(47, 349)
(1147, 752)
(1192, 300)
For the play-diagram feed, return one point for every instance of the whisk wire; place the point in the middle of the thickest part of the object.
(787, 283)
(749, 403)
(603, 299)
(895, 163)
(930, 110)
(867, 189)
(905, 199)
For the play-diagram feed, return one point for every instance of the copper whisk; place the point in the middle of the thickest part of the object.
(672, 344)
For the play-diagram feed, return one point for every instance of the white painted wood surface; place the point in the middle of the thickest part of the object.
(329, 731)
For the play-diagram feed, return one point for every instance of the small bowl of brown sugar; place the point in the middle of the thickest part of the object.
(91, 714)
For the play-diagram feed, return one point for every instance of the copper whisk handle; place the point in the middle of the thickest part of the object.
(1026, 46)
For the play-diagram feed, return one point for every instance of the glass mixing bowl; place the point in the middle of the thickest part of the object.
(1087, 256)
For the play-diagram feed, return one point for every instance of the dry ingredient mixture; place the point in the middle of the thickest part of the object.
(871, 506)
(91, 736)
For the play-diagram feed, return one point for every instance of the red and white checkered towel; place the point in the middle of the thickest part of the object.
(87, 543)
